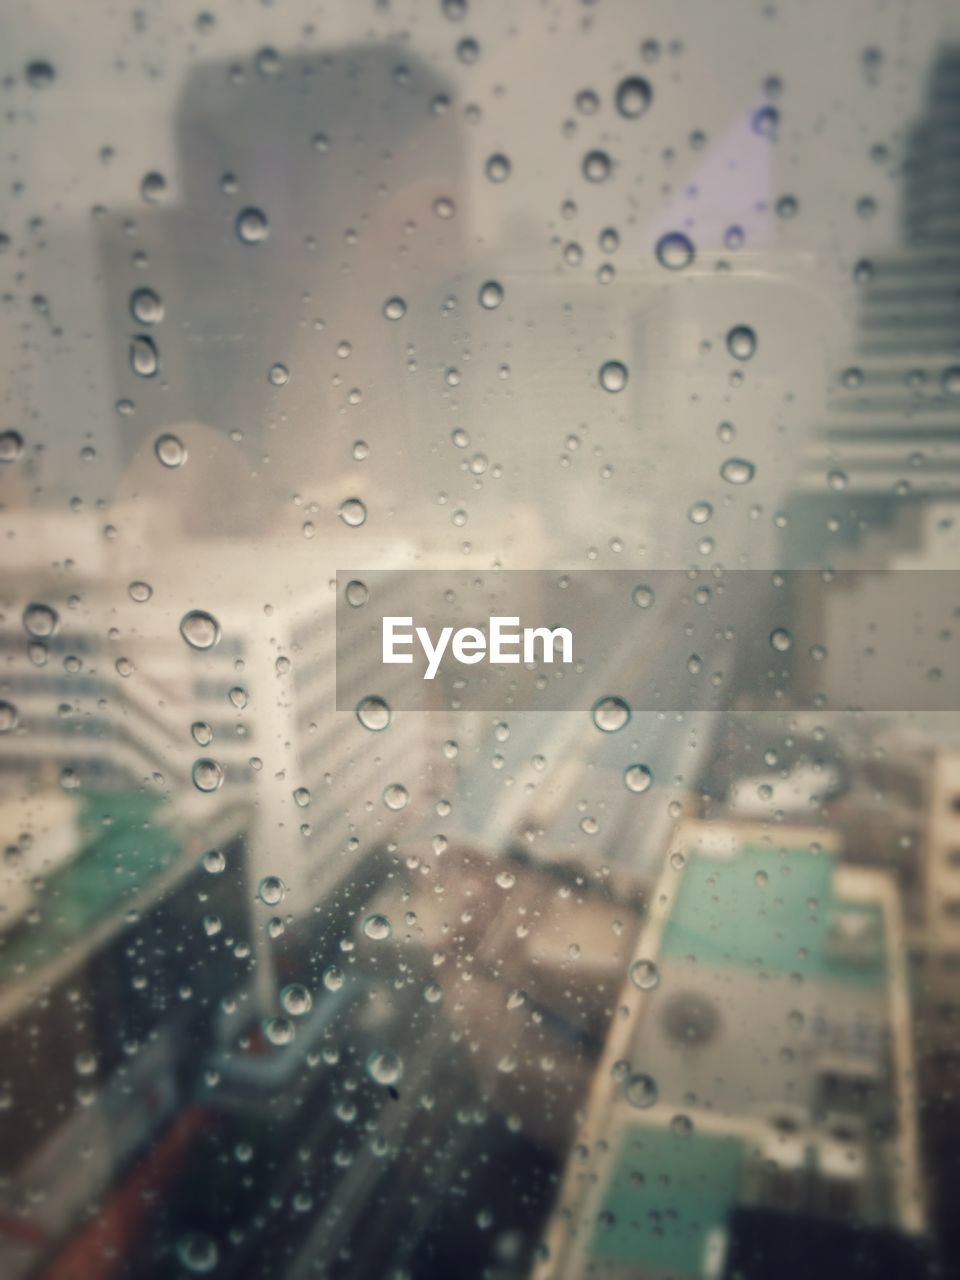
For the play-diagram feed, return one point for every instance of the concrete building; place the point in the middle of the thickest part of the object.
(760, 1086)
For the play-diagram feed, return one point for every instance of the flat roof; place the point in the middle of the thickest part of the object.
(770, 909)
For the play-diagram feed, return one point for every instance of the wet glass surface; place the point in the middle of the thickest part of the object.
(604, 360)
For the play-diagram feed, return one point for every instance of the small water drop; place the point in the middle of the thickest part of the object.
(352, 512)
(597, 166)
(198, 1253)
(146, 306)
(144, 356)
(214, 862)
(40, 621)
(279, 1031)
(377, 927)
(200, 629)
(252, 226)
(490, 295)
(333, 978)
(610, 714)
(170, 450)
(640, 1090)
(296, 1000)
(40, 74)
(637, 778)
(207, 774)
(396, 796)
(153, 187)
(633, 97)
(384, 1067)
(614, 376)
(271, 890)
(675, 251)
(498, 167)
(741, 342)
(644, 975)
(373, 713)
(700, 513)
(737, 471)
(11, 446)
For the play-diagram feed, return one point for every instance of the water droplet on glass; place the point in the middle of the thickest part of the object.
(146, 306)
(40, 74)
(377, 927)
(787, 207)
(633, 97)
(640, 1090)
(207, 774)
(352, 512)
(301, 797)
(214, 862)
(198, 1253)
(737, 471)
(278, 375)
(490, 295)
(170, 450)
(252, 226)
(279, 1031)
(333, 978)
(271, 890)
(394, 308)
(505, 879)
(597, 166)
(201, 733)
(384, 1067)
(396, 796)
(741, 342)
(700, 513)
(765, 121)
(781, 639)
(643, 596)
(144, 356)
(200, 629)
(373, 713)
(356, 593)
(611, 714)
(9, 717)
(40, 621)
(614, 376)
(498, 167)
(675, 251)
(296, 1000)
(637, 778)
(644, 975)
(140, 591)
(153, 187)
(11, 446)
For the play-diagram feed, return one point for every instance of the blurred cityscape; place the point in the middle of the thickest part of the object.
(291, 991)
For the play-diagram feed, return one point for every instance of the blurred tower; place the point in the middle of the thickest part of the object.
(890, 441)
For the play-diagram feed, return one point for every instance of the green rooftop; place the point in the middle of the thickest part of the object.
(667, 1193)
(773, 911)
(123, 846)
